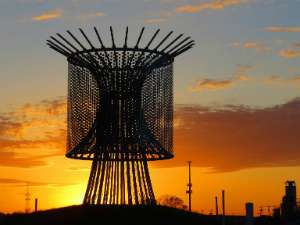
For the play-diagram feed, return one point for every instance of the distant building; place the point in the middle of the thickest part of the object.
(276, 213)
(249, 214)
(289, 201)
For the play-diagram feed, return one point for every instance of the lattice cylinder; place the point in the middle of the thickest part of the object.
(123, 110)
(120, 112)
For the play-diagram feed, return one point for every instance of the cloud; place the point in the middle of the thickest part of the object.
(237, 137)
(44, 108)
(48, 15)
(282, 29)
(155, 21)
(296, 45)
(159, 17)
(93, 15)
(9, 127)
(214, 84)
(32, 133)
(258, 46)
(293, 51)
(211, 5)
(280, 80)
(210, 84)
(226, 138)
(11, 159)
(98, 14)
(24, 183)
(289, 53)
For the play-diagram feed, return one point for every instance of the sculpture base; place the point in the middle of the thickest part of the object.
(120, 182)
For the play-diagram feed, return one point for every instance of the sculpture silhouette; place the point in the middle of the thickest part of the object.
(120, 111)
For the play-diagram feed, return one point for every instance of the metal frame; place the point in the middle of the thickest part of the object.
(120, 111)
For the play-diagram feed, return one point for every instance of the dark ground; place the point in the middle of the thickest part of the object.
(137, 215)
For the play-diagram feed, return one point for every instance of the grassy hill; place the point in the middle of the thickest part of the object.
(131, 215)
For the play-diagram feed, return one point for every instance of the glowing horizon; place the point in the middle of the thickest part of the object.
(236, 95)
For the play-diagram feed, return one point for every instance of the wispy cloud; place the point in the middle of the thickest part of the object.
(289, 53)
(155, 21)
(296, 45)
(282, 29)
(211, 84)
(281, 80)
(240, 74)
(92, 15)
(258, 46)
(210, 5)
(23, 183)
(48, 15)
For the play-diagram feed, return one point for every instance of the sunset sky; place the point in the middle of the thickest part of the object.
(236, 95)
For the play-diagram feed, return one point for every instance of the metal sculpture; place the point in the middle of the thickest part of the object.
(120, 111)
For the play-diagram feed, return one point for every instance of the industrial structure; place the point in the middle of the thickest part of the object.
(216, 205)
(223, 208)
(249, 218)
(289, 200)
(189, 187)
(27, 199)
(120, 110)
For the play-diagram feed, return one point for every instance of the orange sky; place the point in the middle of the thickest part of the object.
(231, 148)
(236, 95)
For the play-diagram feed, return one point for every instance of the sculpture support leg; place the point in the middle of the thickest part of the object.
(116, 182)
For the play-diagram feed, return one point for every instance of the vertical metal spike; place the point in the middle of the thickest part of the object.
(103, 47)
(69, 43)
(163, 40)
(180, 43)
(92, 46)
(179, 36)
(126, 37)
(112, 37)
(116, 61)
(99, 37)
(139, 38)
(152, 39)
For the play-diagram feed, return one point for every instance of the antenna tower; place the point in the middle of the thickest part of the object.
(189, 185)
(27, 199)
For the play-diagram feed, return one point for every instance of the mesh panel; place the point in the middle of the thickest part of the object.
(157, 100)
(83, 102)
(134, 114)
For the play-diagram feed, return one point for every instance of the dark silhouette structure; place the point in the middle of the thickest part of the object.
(189, 186)
(289, 200)
(27, 199)
(223, 208)
(120, 110)
(115, 215)
(216, 204)
(35, 205)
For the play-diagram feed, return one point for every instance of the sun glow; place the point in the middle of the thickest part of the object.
(73, 195)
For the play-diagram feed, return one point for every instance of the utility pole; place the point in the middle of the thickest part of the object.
(189, 185)
(27, 199)
(35, 204)
(217, 208)
(223, 207)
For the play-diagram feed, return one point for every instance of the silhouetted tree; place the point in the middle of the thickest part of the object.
(171, 201)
